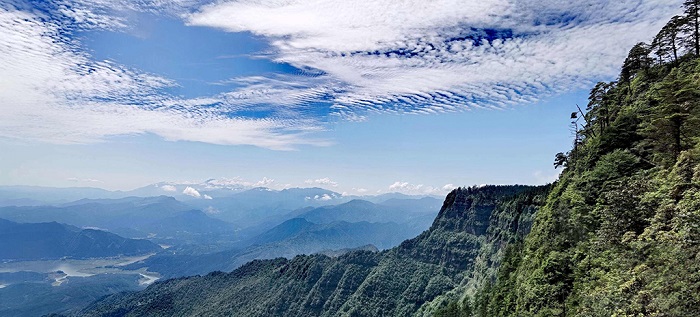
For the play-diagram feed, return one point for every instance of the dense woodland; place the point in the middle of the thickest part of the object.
(617, 235)
(620, 232)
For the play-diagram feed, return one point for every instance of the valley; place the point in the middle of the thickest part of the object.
(155, 238)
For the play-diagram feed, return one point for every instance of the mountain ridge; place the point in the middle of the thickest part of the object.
(52, 240)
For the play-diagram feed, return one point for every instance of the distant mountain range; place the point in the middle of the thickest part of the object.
(220, 231)
(399, 211)
(140, 212)
(37, 195)
(161, 218)
(52, 240)
(258, 205)
(311, 230)
(212, 189)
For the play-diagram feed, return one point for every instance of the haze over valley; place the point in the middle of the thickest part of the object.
(59, 255)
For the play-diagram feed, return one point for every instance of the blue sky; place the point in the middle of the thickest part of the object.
(358, 97)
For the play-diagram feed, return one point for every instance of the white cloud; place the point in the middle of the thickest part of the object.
(434, 56)
(448, 187)
(189, 191)
(211, 210)
(52, 91)
(265, 182)
(321, 181)
(360, 190)
(343, 25)
(207, 197)
(324, 197)
(541, 177)
(84, 180)
(416, 189)
(403, 186)
(239, 183)
(236, 183)
(278, 90)
(95, 14)
(358, 57)
(356, 191)
(168, 188)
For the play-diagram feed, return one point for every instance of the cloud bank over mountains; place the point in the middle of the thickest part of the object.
(237, 184)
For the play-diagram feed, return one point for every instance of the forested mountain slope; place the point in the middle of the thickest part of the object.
(620, 232)
(398, 282)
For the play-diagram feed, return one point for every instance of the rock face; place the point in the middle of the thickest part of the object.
(397, 282)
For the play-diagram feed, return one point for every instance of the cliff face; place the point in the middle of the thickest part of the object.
(396, 282)
(468, 211)
(460, 229)
(619, 234)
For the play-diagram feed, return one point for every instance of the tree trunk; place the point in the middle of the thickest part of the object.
(677, 124)
(697, 34)
(696, 6)
(675, 50)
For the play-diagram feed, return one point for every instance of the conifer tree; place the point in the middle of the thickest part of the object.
(638, 59)
(666, 42)
(691, 27)
(598, 106)
(673, 120)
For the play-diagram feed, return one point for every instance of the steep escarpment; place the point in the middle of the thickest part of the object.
(401, 281)
(460, 229)
(619, 234)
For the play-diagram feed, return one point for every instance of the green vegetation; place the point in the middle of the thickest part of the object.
(620, 232)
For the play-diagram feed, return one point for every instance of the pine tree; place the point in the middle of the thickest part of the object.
(691, 27)
(598, 112)
(638, 59)
(679, 99)
(665, 43)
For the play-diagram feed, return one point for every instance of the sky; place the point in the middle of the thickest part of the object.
(360, 97)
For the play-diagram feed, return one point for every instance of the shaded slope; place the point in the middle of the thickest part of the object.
(291, 238)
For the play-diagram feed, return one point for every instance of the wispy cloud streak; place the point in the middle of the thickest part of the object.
(354, 58)
(52, 91)
(440, 56)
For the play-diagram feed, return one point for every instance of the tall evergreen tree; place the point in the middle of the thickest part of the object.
(598, 109)
(638, 59)
(676, 113)
(666, 42)
(691, 26)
